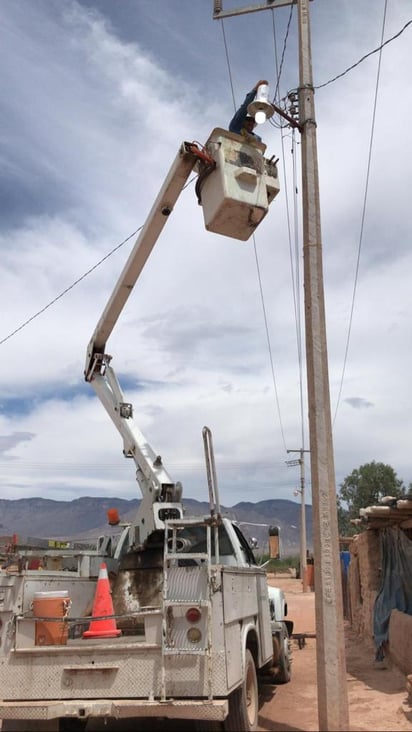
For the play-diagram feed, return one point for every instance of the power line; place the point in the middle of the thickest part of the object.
(99, 467)
(282, 138)
(283, 50)
(76, 282)
(278, 71)
(350, 68)
(362, 218)
(228, 65)
(257, 258)
(298, 309)
(272, 121)
(320, 86)
(268, 344)
(295, 270)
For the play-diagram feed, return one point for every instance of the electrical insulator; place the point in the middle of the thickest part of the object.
(217, 6)
(293, 109)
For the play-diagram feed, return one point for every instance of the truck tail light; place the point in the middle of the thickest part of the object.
(194, 635)
(193, 615)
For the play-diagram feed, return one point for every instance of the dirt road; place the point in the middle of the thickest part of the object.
(377, 697)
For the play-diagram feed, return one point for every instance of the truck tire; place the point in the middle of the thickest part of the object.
(244, 701)
(284, 664)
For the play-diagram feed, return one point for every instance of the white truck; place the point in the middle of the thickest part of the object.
(200, 628)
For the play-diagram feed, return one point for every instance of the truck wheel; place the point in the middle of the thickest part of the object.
(244, 701)
(284, 664)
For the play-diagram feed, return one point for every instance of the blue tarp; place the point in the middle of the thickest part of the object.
(345, 561)
(395, 591)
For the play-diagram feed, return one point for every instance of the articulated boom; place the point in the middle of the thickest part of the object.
(161, 210)
(161, 496)
(235, 186)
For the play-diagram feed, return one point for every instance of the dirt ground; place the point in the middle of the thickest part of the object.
(377, 697)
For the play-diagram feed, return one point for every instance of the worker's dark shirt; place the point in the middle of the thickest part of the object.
(237, 122)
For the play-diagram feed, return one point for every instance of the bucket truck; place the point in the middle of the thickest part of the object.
(200, 628)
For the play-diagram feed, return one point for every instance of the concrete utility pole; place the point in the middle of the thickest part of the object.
(303, 542)
(330, 645)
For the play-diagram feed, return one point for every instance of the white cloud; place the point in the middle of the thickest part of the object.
(93, 118)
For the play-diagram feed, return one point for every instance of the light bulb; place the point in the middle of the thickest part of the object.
(260, 117)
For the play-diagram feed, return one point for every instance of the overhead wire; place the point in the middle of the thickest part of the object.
(76, 282)
(367, 55)
(279, 67)
(320, 86)
(182, 466)
(228, 64)
(293, 255)
(258, 270)
(296, 287)
(365, 197)
(279, 72)
(298, 308)
(295, 268)
(269, 344)
(118, 246)
(285, 175)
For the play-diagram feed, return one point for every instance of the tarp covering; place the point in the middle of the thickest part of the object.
(395, 591)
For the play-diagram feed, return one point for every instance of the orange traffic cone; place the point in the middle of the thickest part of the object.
(105, 627)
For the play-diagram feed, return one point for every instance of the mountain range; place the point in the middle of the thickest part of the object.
(85, 518)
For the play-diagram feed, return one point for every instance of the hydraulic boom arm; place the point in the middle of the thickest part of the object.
(235, 186)
(161, 496)
(161, 209)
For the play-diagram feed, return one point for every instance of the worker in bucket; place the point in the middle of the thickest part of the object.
(242, 123)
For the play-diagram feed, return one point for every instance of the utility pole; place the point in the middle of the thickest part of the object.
(303, 543)
(330, 644)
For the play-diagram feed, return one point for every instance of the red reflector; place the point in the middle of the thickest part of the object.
(193, 615)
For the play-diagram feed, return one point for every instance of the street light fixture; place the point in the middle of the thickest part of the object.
(261, 109)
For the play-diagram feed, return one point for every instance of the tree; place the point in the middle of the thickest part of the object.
(365, 486)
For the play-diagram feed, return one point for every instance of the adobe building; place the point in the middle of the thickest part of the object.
(379, 580)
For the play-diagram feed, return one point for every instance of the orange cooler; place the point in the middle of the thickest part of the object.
(51, 605)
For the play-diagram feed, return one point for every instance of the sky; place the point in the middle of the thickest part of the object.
(97, 97)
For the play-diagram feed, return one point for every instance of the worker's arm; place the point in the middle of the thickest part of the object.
(238, 119)
(236, 122)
